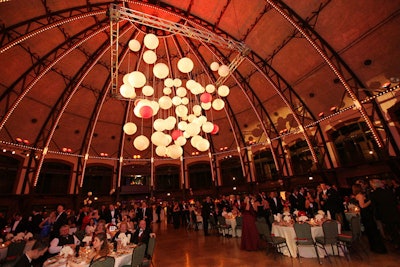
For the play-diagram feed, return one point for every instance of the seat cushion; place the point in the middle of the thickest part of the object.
(320, 239)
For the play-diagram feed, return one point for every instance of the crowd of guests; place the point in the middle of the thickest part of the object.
(378, 202)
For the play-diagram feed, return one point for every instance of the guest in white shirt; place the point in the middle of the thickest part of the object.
(65, 239)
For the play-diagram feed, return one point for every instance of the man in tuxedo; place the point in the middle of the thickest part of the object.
(275, 203)
(61, 219)
(142, 234)
(63, 239)
(206, 210)
(19, 224)
(112, 215)
(39, 248)
(146, 214)
(330, 200)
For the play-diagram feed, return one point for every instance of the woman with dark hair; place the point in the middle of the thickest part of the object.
(367, 218)
(100, 248)
(250, 236)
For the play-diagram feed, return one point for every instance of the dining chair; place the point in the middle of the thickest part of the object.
(348, 239)
(239, 224)
(223, 226)
(14, 251)
(104, 262)
(277, 242)
(137, 256)
(212, 223)
(193, 223)
(331, 233)
(148, 261)
(304, 238)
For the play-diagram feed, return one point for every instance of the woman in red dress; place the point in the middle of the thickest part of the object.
(250, 236)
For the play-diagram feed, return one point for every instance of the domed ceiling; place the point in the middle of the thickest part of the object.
(295, 65)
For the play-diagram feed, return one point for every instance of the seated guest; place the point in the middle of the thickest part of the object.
(142, 234)
(38, 250)
(65, 239)
(100, 248)
(123, 229)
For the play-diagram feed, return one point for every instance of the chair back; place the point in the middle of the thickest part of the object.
(303, 234)
(261, 220)
(193, 216)
(151, 246)
(16, 249)
(104, 262)
(263, 230)
(331, 231)
(138, 255)
(212, 221)
(239, 221)
(221, 220)
(355, 227)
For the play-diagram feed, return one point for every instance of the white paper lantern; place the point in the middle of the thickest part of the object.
(206, 106)
(182, 125)
(158, 125)
(170, 123)
(167, 91)
(175, 151)
(176, 100)
(223, 70)
(155, 106)
(125, 79)
(137, 79)
(185, 65)
(186, 135)
(202, 119)
(151, 41)
(193, 129)
(168, 139)
(165, 102)
(130, 128)
(141, 142)
(169, 82)
(147, 90)
(150, 57)
(207, 127)
(160, 70)
(195, 140)
(214, 66)
(185, 100)
(197, 110)
(134, 45)
(177, 82)
(181, 110)
(223, 90)
(203, 145)
(190, 84)
(210, 88)
(218, 104)
(191, 117)
(161, 151)
(180, 141)
(127, 91)
(159, 139)
(181, 92)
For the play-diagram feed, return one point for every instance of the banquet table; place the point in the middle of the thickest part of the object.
(287, 231)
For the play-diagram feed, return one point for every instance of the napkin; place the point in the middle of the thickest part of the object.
(303, 218)
(278, 217)
(287, 218)
(66, 251)
(87, 239)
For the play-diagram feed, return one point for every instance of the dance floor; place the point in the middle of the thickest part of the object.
(179, 247)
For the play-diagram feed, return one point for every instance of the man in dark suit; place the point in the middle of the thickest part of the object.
(61, 219)
(38, 250)
(275, 203)
(142, 234)
(330, 200)
(206, 210)
(19, 224)
(145, 213)
(112, 215)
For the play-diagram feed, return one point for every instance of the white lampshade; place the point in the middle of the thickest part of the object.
(167, 91)
(151, 41)
(141, 142)
(182, 125)
(147, 90)
(185, 65)
(159, 125)
(160, 70)
(176, 100)
(125, 79)
(223, 70)
(134, 45)
(203, 145)
(165, 102)
(185, 100)
(158, 139)
(195, 140)
(193, 129)
(169, 82)
(181, 110)
(214, 66)
(177, 82)
(196, 110)
(161, 151)
(207, 127)
(170, 123)
(175, 151)
(155, 106)
(150, 57)
(180, 141)
(206, 106)
(137, 79)
(223, 90)
(181, 91)
(130, 128)
(191, 117)
(127, 91)
(210, 88)
(190, 84)
(218, 104)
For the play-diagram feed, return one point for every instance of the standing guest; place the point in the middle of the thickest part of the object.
(294, 200)
(146, 214)
(34, 221)
(330, 200)
(206, 210)
(250, 236)
(367, 218)
(39, 248)
(311, 206)
(275, 203)
(63, 239)
(158, 212)
(176, 214)
(19, 224)
(112, 215)
(47, 224)
(100, 248)
(61, 219)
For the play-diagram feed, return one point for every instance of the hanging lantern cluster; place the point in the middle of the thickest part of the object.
(172, 133)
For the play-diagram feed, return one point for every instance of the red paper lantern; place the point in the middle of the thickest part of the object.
(146, 112)
(176, 133)
(205, 98)
(215, 129)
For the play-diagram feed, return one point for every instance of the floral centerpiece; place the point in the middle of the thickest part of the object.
(320, 216)
(66, 251)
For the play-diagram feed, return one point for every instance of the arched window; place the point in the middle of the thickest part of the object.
(354, 144)
(200, 176)
(301, 157)
(265, 166)
(54, 178)
(231, 172)
(8, 173)
(98, 179)
(167, 177)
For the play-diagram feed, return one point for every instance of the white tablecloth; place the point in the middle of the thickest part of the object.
(304, 251)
